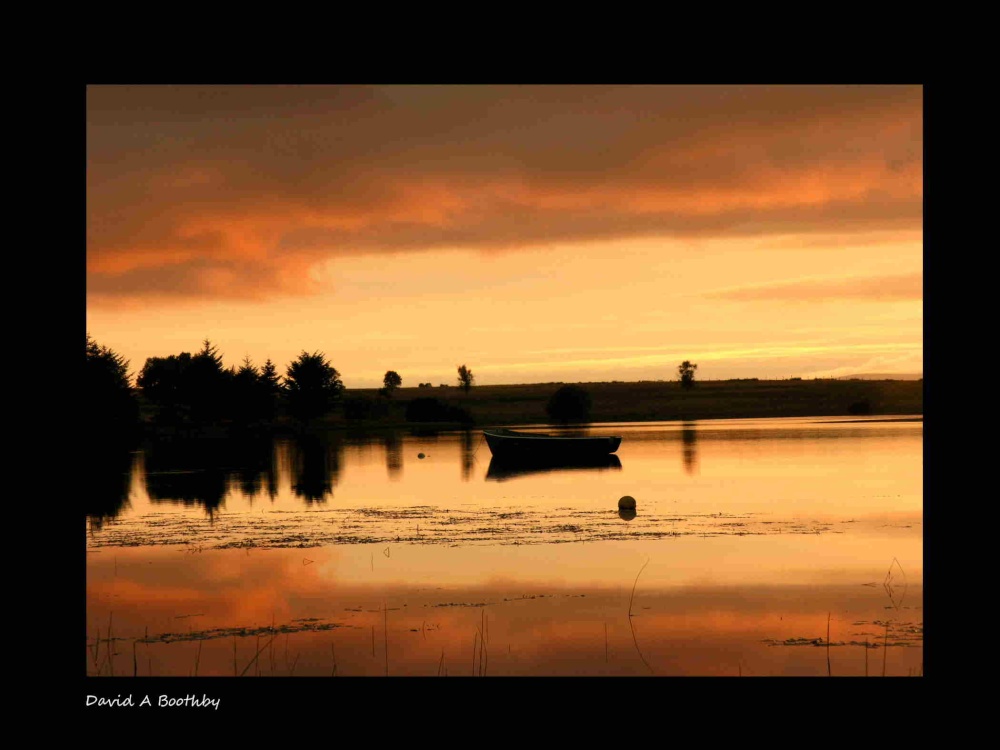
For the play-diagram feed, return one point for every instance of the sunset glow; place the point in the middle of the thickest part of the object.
(534, 233)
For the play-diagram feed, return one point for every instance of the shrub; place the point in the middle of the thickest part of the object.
(569, 404)
(435, 410)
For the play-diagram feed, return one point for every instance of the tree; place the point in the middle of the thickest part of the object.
(270, 378)
(569, 404)
(208, 385)
(686, 373)
(248, 394)
(313, 386)
(465, 378)
(111, 410)
(391, 382)
(189, 388)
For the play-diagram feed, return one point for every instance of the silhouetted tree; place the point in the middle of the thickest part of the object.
(250, 395)
(465, 378)
(111, 410)
(313, 386)
(189, 388)
(391, 381)
(270, 378)
(208, 387)
(162, 381)
(686, 372)
(569, 404)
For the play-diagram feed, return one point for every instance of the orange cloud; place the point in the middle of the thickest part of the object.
(240, 192)
(904, 286)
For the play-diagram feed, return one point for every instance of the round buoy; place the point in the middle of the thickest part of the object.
(626, 503)
(420, 455)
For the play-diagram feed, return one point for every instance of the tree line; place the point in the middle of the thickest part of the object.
(197, 389)
(191, 390)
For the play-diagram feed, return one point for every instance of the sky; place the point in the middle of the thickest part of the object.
(565, 233)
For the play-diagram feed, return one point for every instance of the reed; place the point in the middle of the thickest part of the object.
(885, 646)
(385, 635)
(256, 656)
(111, 646)
(333, 653)
(475, 643)
(634, 585)
(274, 633)
(630, 625)
(483, 652)
(829, 671)
(197, 658)
(97, 648)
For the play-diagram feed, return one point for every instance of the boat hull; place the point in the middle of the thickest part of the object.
(528, 446)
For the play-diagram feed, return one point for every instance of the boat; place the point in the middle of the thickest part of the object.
(506, 443)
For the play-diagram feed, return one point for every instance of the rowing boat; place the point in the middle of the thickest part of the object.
(506, 443)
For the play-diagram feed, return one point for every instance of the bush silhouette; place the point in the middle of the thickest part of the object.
(361, 407)
(435, 410)
(686, 373)
(569, 404)
(313, 385)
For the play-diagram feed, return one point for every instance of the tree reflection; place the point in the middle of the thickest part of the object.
(468, 457)
(107, 484)
(689, 439)
(315, 463)
(393, 455)
(201, 471)
(187, 472)
(254, 458)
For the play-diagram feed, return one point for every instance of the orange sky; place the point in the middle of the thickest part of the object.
(534, 233)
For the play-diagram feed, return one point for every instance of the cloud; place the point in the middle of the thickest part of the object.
(239, 191)
(891, 287)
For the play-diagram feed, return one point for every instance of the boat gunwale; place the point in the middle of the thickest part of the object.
(513, 435)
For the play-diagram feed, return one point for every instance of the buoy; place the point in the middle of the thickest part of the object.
(420, 455)
(627, 503)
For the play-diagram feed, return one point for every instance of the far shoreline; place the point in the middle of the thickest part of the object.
(484, 406)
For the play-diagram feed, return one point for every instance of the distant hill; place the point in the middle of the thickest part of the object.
(882, 376)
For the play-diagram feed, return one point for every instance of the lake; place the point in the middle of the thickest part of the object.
(770, 547)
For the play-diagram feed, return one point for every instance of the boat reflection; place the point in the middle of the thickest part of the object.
(502, 468)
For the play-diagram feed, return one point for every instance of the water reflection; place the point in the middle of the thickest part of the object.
(468, 455)
(393, 455)
(690, 451)
(197, 471)
(108, 481)
(502, 469)
(315, 464)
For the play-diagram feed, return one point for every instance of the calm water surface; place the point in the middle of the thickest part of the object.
(752, 540)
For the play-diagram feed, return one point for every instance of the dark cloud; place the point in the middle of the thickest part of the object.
(190, 186)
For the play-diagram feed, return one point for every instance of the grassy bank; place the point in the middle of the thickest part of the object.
(667, 401)
(492, 405)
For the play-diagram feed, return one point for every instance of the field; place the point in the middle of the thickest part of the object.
(668, 401)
